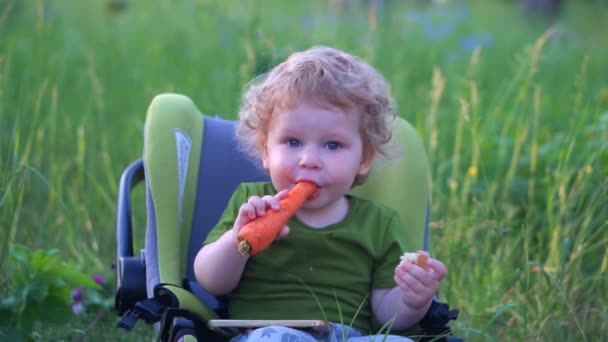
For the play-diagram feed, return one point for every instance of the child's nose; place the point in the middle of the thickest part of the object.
(310, 158)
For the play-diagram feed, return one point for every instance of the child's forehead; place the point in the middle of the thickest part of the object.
(318, 117)
(319, 103)
(333, 127)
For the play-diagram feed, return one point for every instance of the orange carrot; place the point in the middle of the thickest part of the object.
(258, 234)
(421, 259)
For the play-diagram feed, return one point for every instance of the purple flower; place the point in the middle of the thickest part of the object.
(77, 295)
(77, 308)
(99, 279)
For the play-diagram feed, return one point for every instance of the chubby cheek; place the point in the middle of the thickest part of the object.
(349, 169)
(280, 173)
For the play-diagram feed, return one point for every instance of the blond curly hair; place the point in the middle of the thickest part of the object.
(325, 76)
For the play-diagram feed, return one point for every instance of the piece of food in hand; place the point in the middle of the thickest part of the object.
(258, 234)
(417, 258)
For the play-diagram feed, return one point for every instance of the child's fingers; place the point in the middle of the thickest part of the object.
(417, 280)
(258, 204)
(271, 202)
(283, 233)
(281, 194)
(414, 276)
(399, 281)
(416, 270)
(247, 210)
(413, 293)
(420, 251)
(437, 268)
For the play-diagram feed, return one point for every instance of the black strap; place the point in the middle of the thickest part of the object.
(435, 322)
(150, 310)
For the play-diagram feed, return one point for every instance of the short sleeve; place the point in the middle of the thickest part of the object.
(240, 196)
(393, 246)
(228, 217)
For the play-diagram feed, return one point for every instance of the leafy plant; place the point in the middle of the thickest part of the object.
(39, 284)
(93, 299)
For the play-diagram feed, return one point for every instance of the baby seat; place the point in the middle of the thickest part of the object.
(191, 167)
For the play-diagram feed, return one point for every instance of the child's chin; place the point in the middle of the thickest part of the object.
(312, 204)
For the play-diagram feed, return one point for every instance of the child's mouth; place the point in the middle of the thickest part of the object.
(315, 194)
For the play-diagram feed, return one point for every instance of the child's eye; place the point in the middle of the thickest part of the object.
(332, 145)
(293, 142)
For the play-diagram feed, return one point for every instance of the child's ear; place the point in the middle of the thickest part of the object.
(264, 150)
(366, 162)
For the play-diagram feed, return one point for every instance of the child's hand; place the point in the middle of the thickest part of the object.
(258, 206)
(418, 284)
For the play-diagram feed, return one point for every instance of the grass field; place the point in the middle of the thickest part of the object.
(513, 111)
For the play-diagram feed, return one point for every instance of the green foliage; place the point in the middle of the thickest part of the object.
(93, 300)
(39, 287)
(513, 112)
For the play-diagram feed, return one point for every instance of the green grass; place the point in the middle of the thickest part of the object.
(516, 132)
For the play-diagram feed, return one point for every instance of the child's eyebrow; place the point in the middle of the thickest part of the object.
(288, 131)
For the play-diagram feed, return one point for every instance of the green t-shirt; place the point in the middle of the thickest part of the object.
(317, 273)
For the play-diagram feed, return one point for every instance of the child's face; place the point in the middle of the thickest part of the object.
(308, 142)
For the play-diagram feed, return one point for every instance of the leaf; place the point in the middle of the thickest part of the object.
(497, 314)
(95, 298)
(53, 252)
(63, 292)
(44, 260)
(20, 253)
(76, 278)
(38, 291)
(54, 310)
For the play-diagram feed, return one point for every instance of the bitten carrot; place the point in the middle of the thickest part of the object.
(258, 234)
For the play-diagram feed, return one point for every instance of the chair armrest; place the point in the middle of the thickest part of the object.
(131, 177)
(130, 270)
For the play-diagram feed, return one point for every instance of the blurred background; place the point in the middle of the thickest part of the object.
(510, 97)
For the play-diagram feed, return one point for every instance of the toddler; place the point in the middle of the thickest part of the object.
(321, 116)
